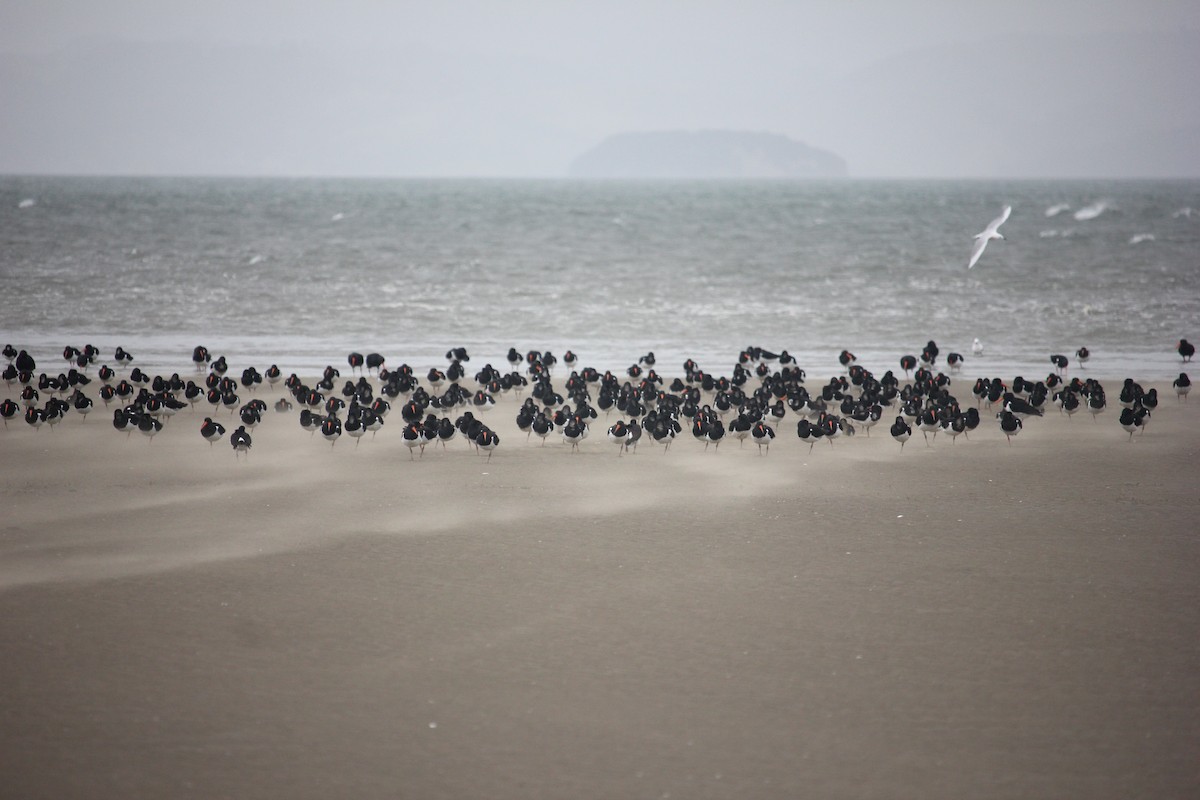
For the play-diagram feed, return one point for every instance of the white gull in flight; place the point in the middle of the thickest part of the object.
(986, 235)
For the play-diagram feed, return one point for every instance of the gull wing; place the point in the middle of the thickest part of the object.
(977, 250)
(998, 221)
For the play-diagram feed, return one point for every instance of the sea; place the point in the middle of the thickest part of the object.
(300, 272)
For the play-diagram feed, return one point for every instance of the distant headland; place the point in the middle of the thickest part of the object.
(706, 154)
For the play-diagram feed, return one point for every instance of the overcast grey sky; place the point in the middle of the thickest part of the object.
(521, 87)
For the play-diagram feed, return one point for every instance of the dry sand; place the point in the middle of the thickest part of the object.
(963, 620)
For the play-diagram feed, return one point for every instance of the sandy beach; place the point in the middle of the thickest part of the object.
(969, 619)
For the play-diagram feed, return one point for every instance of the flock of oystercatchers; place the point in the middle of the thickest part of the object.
(752, 402)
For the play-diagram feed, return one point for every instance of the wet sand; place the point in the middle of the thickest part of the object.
(967, 619)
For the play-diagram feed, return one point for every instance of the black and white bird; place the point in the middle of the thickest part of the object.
(1185, 349)
(573, 432)
(986, 235)
(211, 431)
(808, 433)
(1010, 424)
(354, 427)
(762, 434)
(1130, 421)
(486, 440)
(1183, 385)
(1019, 407)
(900, 431)
(618, 434)
(8, 410)
(24, 362)
(240, 440)
(1082, 355)
(149, 425)
(331, 429)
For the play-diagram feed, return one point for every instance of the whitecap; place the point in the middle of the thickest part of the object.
(1057, 209)
(28, 202)
(1138, 238)
(1091, 212)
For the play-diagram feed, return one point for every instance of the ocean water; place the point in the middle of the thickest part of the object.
(301, 272)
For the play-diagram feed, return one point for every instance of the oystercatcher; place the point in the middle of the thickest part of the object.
(1021, 408)
(1183, 385)
(929, 422)
(211, 431)
(1131, 393)
(542, 426)
(149, 425)
(82, 403)
(1082, 355)
(24, 362)
(633, 434)
(954, 425)
(617, 434)
(714, 433)
(1060, 362)
(250, 415)
(900, 431)
(486, 440)
(762, 434)
(808, 433)
(331, 429)
(574, 432)
(354, 426)
(971, 420)
(414, 438)
(1069, 402)
(1186, 350)
(240, 440)
(8, 409)
(1128, 421)
(1010, 423)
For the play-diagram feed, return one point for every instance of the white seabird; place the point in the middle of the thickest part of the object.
(986, 235)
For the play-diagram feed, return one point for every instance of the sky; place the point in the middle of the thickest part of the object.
(522, 87)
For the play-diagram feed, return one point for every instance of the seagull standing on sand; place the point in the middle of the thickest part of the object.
(987, 234)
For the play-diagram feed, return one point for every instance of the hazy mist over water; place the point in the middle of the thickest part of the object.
(916, 89)
(300, 272)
